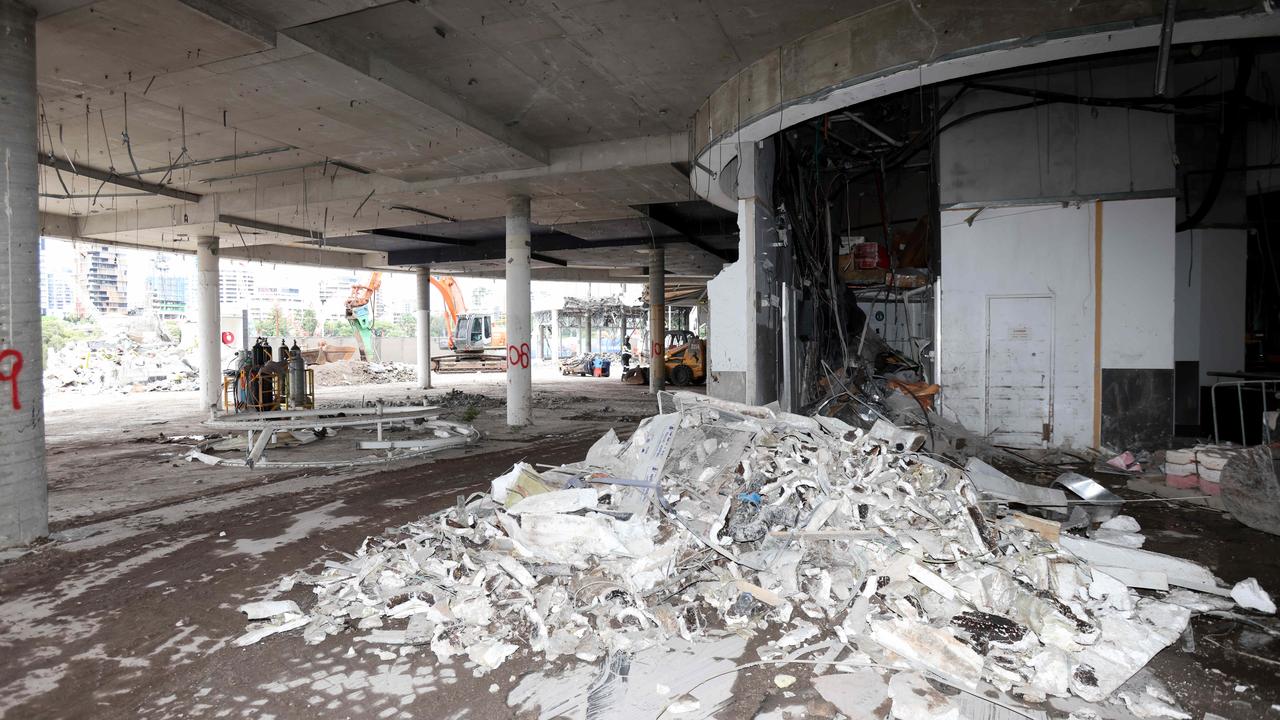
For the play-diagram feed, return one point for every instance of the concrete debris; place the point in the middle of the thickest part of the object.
(277, 616)
(1152, 702)
(914, 698)
(828, 539)
(861, 695)
(359, 372)
(1122, 523)
(1250, 595)
(267, 609)
(128, 360)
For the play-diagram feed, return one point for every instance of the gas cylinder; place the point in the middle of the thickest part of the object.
(297, 377)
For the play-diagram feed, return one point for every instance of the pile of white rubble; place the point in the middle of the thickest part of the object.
(124, 362)
(839, 545)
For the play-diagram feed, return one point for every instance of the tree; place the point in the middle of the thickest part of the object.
(438, 326)
(406, 325)
(58, 334)
(336, 328)
(275, 324)
(308, 322)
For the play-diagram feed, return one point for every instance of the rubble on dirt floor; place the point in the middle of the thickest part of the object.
(359, 372)
(456, 398)
(843, 547)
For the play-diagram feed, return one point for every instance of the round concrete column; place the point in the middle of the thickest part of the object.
(519, 356)
(657, 320)
(424, 327)
(208, 334)
(24, 505)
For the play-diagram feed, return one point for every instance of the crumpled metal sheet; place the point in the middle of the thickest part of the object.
(716, 516)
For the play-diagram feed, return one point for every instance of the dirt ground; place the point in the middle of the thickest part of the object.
(130, 612)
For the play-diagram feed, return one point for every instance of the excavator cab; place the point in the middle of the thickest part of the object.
(474, 333)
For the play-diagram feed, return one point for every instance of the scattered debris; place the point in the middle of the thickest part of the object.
(836, 543)
(1249, 594)
(400, 432)
(1126, 462)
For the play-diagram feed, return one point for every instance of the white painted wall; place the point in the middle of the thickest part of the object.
(1029, 250)
(1138, 253)
(1210, 279)
(730, 313)
(1048, 250)
(725, 294)
(1057, 151)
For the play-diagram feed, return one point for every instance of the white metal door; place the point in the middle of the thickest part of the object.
(1020, 370)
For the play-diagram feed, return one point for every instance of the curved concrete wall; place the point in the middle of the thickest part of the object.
(910, 43)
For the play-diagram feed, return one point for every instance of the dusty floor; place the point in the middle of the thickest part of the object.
(131, 612)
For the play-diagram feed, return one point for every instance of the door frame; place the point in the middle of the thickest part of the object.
(1046, 437)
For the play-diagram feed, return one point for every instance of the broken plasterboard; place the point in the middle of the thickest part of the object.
(993, 483)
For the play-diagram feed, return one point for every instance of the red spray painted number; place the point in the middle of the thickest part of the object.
(11, 376)
(518, 356)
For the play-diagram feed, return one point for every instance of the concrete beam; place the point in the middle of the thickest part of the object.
(421, 237)
(414, 87)
(610, 156)
(112, 178)
(232, 19)
(270, 227)
(244, 203)
(664, 216)
(306, 256)
(59, 226)
(491, 249)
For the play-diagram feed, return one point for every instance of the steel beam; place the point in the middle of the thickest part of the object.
(112, 178)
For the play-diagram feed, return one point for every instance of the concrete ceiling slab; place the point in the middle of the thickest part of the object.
(451, 107)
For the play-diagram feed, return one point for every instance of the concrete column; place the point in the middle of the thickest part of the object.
(208, 336)
(519, 376)
(24, 506)
(657, 320)
(424, 327)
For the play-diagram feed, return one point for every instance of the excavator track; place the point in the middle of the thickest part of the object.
(468, 363)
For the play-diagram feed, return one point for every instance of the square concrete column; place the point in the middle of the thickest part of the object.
(657, 320)
(208, 333)
(424, 327)
(519, 374)
(24, 505)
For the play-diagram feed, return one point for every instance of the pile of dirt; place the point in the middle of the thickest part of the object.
(359, 372)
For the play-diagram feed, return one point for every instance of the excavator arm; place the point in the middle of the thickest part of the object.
(454, 304)
(359, 307)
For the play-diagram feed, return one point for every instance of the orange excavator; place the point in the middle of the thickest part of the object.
(471, 335)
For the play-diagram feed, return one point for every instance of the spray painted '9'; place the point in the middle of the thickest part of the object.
(11, 376)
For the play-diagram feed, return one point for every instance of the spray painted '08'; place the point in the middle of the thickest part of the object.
(518, 356)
